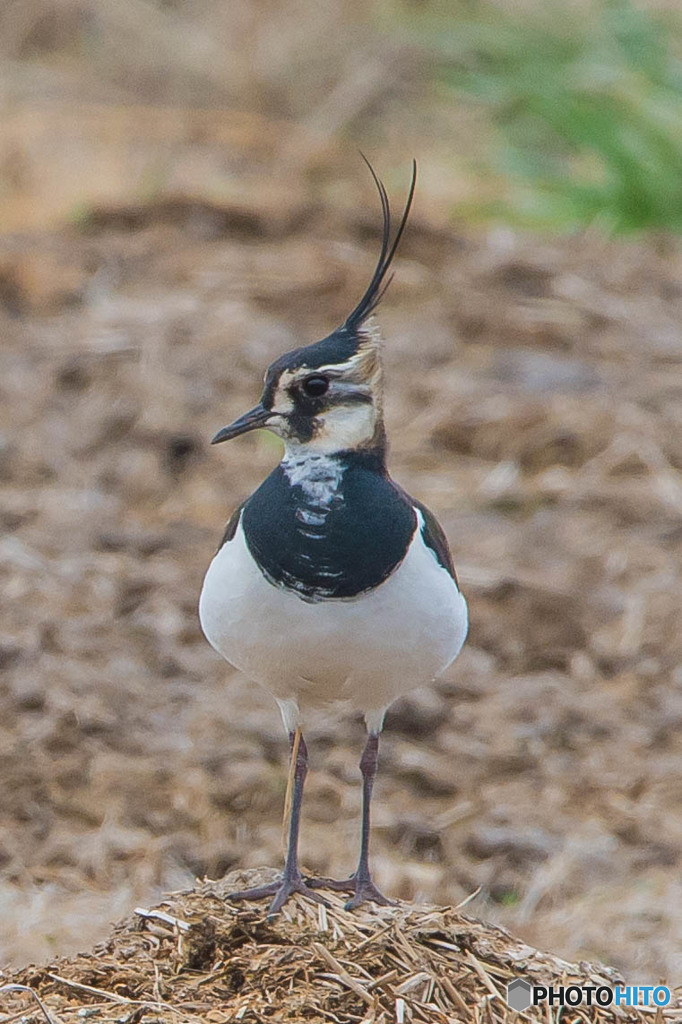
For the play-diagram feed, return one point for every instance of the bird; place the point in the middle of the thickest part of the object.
(331, 583)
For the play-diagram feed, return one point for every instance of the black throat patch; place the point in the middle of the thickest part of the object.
(328, 526)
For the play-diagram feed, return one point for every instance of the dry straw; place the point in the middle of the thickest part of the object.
(197, 958)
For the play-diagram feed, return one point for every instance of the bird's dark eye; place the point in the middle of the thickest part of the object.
(315, 387)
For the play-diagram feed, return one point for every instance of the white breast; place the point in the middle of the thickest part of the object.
(367, 650)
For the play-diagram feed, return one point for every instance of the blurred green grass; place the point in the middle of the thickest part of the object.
(545, 114)
(586, 102)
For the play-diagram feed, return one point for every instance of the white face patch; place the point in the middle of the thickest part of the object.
(343, 427)
(283, 402)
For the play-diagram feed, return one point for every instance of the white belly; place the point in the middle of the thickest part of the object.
(367, 650)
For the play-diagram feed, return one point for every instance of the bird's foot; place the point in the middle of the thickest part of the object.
(367, 892)
(363, 888)
(280, 891)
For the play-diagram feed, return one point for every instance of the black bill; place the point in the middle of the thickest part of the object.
(251, 420)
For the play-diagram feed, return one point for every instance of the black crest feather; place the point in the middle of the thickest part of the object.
(343, 343)
(376, 288)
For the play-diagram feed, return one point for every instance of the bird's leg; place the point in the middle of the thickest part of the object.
(360, 883)
(292, 880)
(365, 889)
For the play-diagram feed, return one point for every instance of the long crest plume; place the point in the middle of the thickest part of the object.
(376, 288)
(352, 342)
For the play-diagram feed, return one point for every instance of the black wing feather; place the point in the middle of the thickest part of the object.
(434, 537)
(232, 524)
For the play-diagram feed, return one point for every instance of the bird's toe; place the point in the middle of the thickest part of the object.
(280, 892)
(259, 892)
(333, 884)
(287, 889)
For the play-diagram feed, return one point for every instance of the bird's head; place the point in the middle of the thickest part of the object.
(327, 397)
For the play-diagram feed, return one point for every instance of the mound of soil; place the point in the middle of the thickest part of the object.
(198, 958)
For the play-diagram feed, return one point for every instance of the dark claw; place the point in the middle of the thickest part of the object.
(281, 891)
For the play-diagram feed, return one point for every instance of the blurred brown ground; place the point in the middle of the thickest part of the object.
(212, 215)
